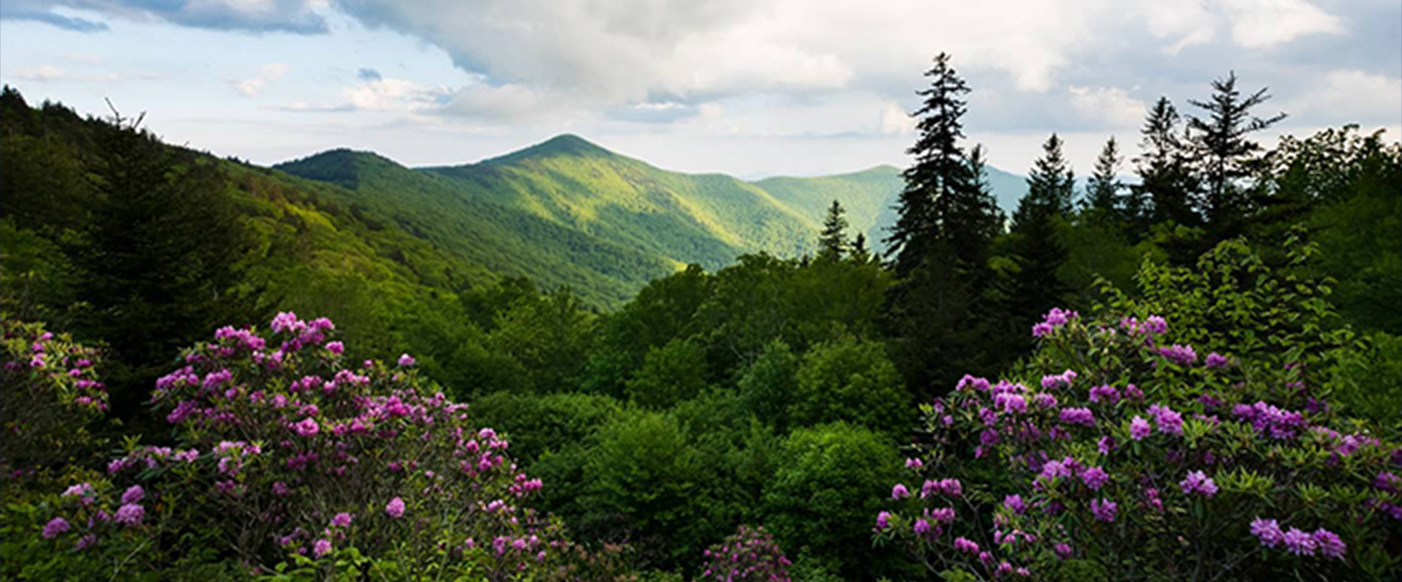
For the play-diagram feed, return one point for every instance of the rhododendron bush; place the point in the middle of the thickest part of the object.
(301, 463)
(1184, 435)
(750, 555)
(51, 394)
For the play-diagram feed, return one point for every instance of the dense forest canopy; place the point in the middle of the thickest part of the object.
(788, 388)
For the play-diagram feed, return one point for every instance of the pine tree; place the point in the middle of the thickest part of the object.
(940, 174)
(1224, 152)
(1102, 203)
(986, 219)
(1050, 186)
(833, 241)
(1037, 245)
(1166, 188)
(860, 253)
(167, 236)
(938, 316)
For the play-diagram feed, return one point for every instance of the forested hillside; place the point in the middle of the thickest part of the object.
(1187, 368)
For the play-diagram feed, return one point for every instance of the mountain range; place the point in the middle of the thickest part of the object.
(569, 212)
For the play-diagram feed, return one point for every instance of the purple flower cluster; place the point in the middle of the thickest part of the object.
(1270, 420)
(1199, 483)
(1081, 416)
(1169, 421)
(1104, 510)
(1216, 360)
(946, 487)
(292, 434)
(1296, 541)
(1053, 320)
(1179, 354)
(1150, 327)
(1104, 393)
(1061, 380)
(751, 555)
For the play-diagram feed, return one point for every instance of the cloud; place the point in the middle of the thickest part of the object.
(895, 121)
(41, 11)
(392, 95)
(624, 52)
(654, 112)
(367, 74)
(268, 73)
(1352, 96)
(45, 73)
(1107, 106)
(295, 16)
(1265, 23)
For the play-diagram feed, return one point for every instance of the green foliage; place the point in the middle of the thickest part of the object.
(769, 386)
(826, 487)
(670, 374)
(849, 380)
(649, 484)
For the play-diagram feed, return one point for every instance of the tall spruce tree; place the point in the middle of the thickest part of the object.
(1166, 182)
(1102, 204)
(167, 241)
(938, 182)
(1051, 185)
(833, 240)
(938, 317)
(1225, 154)
(1039, 252)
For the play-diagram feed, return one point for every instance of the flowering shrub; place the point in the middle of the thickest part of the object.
(49, 392)
(1117, 448)
(303, 464)
(750, 555)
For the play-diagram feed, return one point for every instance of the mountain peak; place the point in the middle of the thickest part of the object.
(565, 144)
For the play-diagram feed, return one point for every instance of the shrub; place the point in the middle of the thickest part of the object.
(1196, 444)
(49, 393)
(297, 463)
(750, 555)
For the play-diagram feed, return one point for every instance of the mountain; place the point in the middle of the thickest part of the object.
(569, 212)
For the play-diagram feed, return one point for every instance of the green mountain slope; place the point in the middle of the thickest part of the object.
(568, 212)
(456, 218)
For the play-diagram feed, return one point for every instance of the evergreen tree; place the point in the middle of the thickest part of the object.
(1050, 187)
(934, 185)
(1102, 203)
(1166, 187)
(860, 253)
(988, 222)
(1037, 247)
(1225, 154)
(164, 263)
(937, 316)
(833, 241)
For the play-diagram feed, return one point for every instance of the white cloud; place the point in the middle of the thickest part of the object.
(895, 121)
(1351, 96)
(45, 73)
(1264, 23)
(267, 74)
(1107, 106)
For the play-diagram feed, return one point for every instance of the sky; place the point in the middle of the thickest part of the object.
(746, 87)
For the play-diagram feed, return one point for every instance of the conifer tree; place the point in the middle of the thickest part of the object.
(939, 178)
(1224, 152)
(833, 241)
(938, 316)
(1166, 184)
(1102, 203)
(1037, 245)
(1050, 186)
(860, 253)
